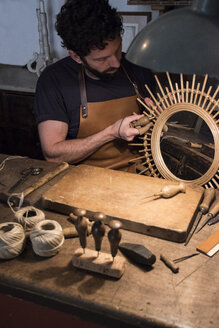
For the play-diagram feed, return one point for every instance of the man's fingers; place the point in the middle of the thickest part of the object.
(148, 102)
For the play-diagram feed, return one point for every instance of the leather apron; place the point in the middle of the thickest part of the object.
(95, 118)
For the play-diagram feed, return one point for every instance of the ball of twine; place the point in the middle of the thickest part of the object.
(28, 217)
(47, 238)
(12, 240)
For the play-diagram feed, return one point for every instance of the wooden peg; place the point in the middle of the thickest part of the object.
(114, 236)
(98, 230)
(81, 226)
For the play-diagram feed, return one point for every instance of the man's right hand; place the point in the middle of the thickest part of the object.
(123, 129)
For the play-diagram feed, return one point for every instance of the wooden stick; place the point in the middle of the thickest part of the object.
(143, 104)
(136, 159)
(177, 92)
(154, 99)
(212, 99)
(161, 100)
(161, 89)
(193, 85)
(206, 97)
(168, 94)
(215, 105)
(187, 91)
(197, 91)
(171, 87)
(203, 88)
(182, 86)
(46, 178)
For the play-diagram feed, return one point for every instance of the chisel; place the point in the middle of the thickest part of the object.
(213, 212)
(209, 195)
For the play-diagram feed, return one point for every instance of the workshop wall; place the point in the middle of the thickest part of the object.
(18, 28)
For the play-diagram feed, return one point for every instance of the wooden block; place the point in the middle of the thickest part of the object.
(120, 195)
(211, 245)
(103, 263)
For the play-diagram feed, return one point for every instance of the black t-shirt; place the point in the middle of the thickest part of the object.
(58, 94)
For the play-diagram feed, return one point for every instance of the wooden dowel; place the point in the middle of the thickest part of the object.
(161, 100)
(177, 92)
(203, 88)
(136, 159)
(193, 85)
(197, 92)
(161, 89)
(46, 178)
(171, 87)
(154, 99)
(169, 95)
(182, 86)
(212, 99)
(206, 97)
(187, 91)
(215, 105)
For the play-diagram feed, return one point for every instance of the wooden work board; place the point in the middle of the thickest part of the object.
(121, 195)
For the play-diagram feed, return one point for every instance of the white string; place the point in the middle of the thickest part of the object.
(21, 200)
(12, 240)
(28, 217)
(47, 238)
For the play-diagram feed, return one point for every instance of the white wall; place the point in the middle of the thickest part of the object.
(19, 33)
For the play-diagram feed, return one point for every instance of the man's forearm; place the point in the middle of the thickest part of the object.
(75, 150)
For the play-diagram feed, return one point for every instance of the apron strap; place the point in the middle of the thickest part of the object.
(83, 93)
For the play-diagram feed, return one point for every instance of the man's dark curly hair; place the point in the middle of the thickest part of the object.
(87, 24)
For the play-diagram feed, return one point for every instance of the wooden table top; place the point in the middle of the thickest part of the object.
(143, 296)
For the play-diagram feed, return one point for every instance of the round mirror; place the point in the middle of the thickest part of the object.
(187, 148)
(182, 144)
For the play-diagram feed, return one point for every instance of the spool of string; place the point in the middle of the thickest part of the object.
(47, 238)
(28, 217)
(12, 240)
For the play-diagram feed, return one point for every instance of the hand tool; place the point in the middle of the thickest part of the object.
(81, 225)
(180, 259)
(169, 191)
(209, 195)
(98, 230)
(213, 220)
(170, 264)
(213, 212)
(114, 236)
(24, 174)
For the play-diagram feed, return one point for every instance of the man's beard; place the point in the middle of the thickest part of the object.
(105, 75)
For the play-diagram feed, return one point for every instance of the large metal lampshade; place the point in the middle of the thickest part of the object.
(181, 41)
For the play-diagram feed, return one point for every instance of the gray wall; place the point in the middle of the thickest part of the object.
(19, 33)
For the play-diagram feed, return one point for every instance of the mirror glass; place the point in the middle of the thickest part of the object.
(187, 147)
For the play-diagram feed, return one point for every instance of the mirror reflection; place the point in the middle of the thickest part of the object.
(187, 147)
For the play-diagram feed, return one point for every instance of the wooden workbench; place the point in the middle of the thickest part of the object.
(143, 297)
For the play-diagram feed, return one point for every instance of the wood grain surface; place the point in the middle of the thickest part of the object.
(121, 195)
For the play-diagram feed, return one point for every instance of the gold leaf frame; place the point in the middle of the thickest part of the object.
(170, 101)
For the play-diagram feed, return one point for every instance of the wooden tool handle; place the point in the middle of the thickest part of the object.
(171, 190)
(170, 264)
(209, 195)
(141, 122)
(214, 210)
(114, 236)
(70, 232)
(47, 177)
(81, 227)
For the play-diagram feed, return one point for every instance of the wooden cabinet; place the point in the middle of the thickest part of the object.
(18, 131)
